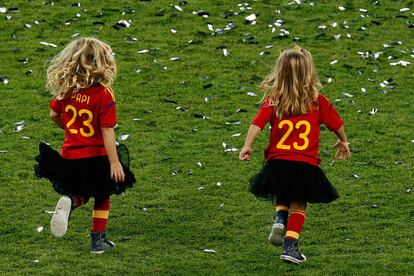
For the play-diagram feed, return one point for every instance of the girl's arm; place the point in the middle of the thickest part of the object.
(342, 145)
(57, 118)
(117, 172)
(246, 151)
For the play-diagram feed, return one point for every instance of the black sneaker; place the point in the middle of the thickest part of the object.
(290, 252)
(100, 243)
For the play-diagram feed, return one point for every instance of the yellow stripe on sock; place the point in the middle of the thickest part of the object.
(292, 234)
(282, 208)
(300, 212)
(100, 214)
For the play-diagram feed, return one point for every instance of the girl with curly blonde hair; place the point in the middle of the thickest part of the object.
(88, 164)
(291, 176)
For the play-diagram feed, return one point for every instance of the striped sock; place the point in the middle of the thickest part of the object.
(295, 224)
(100, 214)
(281, 214)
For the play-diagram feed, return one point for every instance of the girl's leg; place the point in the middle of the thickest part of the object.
(78, 201)
(279, 224)
(290, 251)
(64, 207)
(100, 216)
(282, 211)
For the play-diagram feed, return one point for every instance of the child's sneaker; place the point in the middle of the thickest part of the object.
(100, 243)
(59, 221)
(277, 234)
(290, 252)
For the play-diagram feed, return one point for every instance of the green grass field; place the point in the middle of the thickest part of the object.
(164, 224)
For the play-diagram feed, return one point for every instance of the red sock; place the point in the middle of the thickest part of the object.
(100, 214)
(295, 224)
(78, 201)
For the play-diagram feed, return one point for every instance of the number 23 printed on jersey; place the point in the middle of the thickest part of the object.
(303, 141)
(85, 132)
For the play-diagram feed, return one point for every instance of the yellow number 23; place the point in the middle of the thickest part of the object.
(303, 135)
(87, 123)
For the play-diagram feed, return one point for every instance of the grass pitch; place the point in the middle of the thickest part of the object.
(182, 80)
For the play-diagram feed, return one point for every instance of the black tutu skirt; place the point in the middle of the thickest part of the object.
(88, 177)
(292, 181)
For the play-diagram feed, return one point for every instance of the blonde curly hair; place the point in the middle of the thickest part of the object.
(83, 63)
(292, 88)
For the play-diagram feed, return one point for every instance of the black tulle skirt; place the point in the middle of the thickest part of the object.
(89, 177)
(292, 181)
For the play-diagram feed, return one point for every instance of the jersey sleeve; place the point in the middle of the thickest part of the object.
(263, 116)
(107, 110)
(56, 106)
(328, 115)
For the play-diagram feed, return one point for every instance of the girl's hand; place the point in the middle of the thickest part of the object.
(245, 153)
(117, 172)
(342, 150)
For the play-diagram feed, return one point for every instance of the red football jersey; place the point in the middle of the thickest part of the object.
(297, 138)
(84, 113)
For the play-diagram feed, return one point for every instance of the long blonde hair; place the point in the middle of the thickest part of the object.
(293, 86)
(83, 63)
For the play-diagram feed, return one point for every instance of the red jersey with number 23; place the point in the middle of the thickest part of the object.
(297, 138)
(84, 113)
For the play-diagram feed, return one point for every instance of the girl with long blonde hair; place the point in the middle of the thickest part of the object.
(291, 176)
(88, 164)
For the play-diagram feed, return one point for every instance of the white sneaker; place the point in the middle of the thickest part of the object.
(276, 234)
(59, 222)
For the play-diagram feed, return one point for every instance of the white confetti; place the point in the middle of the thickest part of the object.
(210, 27)
(48, 44)
(225, 52)
(221, 206)
(224, 145)
(218, 184)
(363, 10)
(236, 135)
(337, 37)
(138, 71)
(178, 8)
(333, 62)
(39, 229)
(3, 10)
(251, 94)
(341, 8)
(209, 251)
(201, 188)
(124, 137)
(49, 212)
(143, 51)
(199, 163)
(174, 31)
(373, 111)
(251, 17)
(145, 209)
(231, 150)
(401, 62)
(404, 9)
(363, 90)
(174, 58)
(348, 95)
